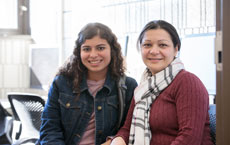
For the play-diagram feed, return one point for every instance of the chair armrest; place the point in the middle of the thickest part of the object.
(25, 140)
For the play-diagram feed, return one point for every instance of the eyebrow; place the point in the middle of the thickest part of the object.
(85, 46)
(96, 45)
(146, 41)
(164, 40)
(101, 45)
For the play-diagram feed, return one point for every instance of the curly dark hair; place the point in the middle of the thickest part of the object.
(74, 69)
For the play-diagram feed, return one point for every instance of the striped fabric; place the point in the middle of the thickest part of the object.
(145, 94)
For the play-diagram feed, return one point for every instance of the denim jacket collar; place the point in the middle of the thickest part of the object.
(109, 83)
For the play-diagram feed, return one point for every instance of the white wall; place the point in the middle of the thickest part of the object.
(197, 54)
(14, 65)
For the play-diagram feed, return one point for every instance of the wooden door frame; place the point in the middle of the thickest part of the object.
(223, 74)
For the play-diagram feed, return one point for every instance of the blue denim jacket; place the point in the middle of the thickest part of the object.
(66, 116)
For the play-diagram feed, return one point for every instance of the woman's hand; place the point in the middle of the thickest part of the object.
(118, 141)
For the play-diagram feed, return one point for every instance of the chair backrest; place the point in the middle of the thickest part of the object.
(5, 126)
(212, 118)
(27, 106)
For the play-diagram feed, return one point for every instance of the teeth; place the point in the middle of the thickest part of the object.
(94, 62)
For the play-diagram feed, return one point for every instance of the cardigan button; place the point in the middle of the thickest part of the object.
(99, 108)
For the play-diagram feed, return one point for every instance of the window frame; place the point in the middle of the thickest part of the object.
(23, 21)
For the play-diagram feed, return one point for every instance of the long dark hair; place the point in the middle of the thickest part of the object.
(74, 69)
(160, 24)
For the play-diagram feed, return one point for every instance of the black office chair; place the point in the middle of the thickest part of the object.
(212, 118)
(6, 126)
(27, 108)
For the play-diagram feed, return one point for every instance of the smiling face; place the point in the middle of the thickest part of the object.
(157, 50)
(96, 56)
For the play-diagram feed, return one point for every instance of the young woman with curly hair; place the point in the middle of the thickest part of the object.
(83, 105)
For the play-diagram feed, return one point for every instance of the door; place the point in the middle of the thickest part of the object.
(223, 71)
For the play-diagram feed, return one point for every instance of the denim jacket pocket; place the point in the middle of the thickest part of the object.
(70, 110)
(113, 107)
